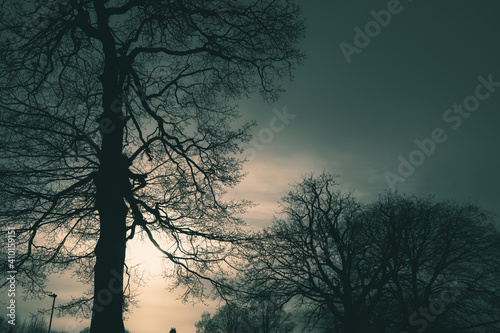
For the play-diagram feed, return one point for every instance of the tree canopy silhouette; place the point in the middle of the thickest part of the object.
(400, 264)
(117, 120)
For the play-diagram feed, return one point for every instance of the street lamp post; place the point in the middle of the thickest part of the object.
(52, 312)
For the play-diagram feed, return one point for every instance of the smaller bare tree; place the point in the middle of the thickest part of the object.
(390, 266)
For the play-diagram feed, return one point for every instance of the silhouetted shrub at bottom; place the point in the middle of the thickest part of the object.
(35, 324)
(256, 317)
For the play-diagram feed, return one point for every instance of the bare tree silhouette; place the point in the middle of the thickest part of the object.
(398, 264)
(116, 120)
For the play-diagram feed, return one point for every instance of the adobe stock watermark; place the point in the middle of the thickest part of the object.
(454, 118)
(372, 29)
(105, 296)
(266, 135)
(436, 307)
(11, 275)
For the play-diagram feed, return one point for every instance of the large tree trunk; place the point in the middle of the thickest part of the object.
(107, 313)
(112, 185)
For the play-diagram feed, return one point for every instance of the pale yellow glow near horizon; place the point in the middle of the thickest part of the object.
(159, 309)
(146, 255)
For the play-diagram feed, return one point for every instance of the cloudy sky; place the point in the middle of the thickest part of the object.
(410, 103)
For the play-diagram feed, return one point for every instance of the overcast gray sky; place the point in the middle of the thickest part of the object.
(359, 119)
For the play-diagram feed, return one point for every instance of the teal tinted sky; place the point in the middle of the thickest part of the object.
(356, 119)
